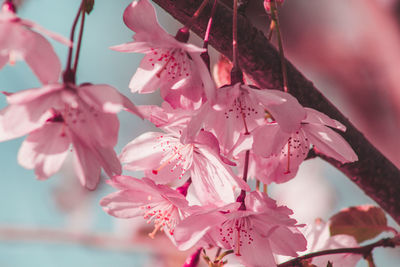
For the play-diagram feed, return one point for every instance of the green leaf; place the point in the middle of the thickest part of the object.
(88, 6)
(362, 222)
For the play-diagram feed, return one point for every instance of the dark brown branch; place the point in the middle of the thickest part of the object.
(373, 173)
(365, 251)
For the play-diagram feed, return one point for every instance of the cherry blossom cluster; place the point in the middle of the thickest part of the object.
(211, 139)
(197, 167)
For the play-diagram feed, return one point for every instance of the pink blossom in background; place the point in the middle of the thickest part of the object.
(59, 115)
(19, 41)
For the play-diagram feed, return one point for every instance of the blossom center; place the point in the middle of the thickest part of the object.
(163, 214)
(244, 109)
(174, 63)
(177, 153)
(236, 233)
(295, 149)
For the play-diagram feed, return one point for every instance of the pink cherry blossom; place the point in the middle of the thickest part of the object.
(59, 115)
(164, 158)
(255, 233)
(167, 118)
(142, 197)
(286, 150)
(169, 64)
(18, 41)
(236, 109)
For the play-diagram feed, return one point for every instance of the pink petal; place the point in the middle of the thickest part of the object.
(144, 81)
(225, 96)
(288, 114)
(258, 253)
(154, 114)
(134, 194)
(192, 229)
(15, 121)
(269, 140)
(43, 60)
(55, 36)
(314, 116)
(213, 181)
(124, 204)
(45, 150)
(108, 160)
(177, 160)
(137, 47)
(106, 98)
(47, 91)
(208, 139)
(280, 245)
(265, 96)
(245, 142)
(144, 153)
(92, 126)
(141, 18)
(329, 143)
(124, 182)
(162, 156)
(87, 166)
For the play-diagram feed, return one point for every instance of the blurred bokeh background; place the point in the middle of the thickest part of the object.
(349, 49)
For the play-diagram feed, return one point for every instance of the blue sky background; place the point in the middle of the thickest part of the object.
(26, 202)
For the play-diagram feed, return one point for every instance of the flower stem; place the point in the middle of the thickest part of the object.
(242, 195)
(275, 17)
(207, 35)
(370, 260)
(234, 37)
(69, 75)
(271, 29)
(196, 14)
(78, 49)
(205, 56)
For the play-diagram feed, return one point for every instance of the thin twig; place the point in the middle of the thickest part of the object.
(364, 250)
(275, 16)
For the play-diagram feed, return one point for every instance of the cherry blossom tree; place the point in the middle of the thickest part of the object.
(224, 130)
